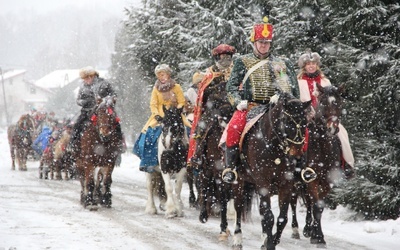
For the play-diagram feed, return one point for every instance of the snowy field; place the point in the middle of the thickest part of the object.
(46, 214)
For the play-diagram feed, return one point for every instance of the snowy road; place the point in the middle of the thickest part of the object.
(46, 214)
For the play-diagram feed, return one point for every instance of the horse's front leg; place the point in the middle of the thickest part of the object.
(267, 221)
(178, 189)
(150, 205)
(12, 153)
(293, 205)
(224, 233)
(171, 209)
(190, 181)
(107, 181)
(317, 236)
(89, 188)
(238, 203)
(285, 197)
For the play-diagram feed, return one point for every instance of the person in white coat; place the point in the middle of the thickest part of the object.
(310, 74)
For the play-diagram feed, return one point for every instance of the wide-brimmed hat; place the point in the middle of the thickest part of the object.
(309, 57)
(262, 31)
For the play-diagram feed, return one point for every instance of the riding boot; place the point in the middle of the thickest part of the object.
(197, 158)
(229, 175)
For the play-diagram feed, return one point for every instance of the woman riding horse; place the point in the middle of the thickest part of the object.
(310, 75)
(166, 94)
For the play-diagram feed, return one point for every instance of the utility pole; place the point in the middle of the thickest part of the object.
(4, 97)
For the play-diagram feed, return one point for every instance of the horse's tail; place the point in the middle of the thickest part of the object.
(249, 191)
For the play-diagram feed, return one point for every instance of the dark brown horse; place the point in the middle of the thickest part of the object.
(269, 152)
(20, 140)
(214, 193)
(97, 155)
(323, 157)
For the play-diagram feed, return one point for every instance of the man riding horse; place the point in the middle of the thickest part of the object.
(213, 82)
(93, 88)
(253, 81)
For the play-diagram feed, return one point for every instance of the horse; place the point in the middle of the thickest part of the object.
(98, 152)
(323, 157)
(269, 150)
(172, 153)
(20, 140)
(214, 193)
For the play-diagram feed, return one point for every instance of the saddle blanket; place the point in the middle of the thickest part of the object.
(146, 148)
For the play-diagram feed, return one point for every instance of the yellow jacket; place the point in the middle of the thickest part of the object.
(173, 97)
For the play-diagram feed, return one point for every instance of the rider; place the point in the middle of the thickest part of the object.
(93, 87)
(214, 81)
(253, 82)
(166, 92)
(310, 74)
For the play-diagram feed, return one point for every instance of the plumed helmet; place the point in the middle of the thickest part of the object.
(163, 67)
(87, 71)
(197, 77)
(309, 57)
(262, 31)
(223, 49)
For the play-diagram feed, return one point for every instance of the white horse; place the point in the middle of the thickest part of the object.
(172, 152)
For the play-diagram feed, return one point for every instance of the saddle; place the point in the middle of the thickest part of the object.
(253, 116)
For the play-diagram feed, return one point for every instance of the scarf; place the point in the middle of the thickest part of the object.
(311, 79)
(165, 87)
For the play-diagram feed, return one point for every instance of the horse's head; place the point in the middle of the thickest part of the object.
(105, 117)
(329, 109)
(25, 129)
(291, 123)
(172, 120)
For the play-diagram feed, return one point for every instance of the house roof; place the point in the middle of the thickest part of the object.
(13, 73)
(61, 78)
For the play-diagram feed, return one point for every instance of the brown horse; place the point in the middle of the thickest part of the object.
(323, 157)
(98, 152)
(269, 152)
(214, 193)
(20, 140)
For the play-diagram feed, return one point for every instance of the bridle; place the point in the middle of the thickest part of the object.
(99, 127)
(284, 141)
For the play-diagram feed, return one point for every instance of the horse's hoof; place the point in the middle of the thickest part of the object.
(321, 245)
(223, 236)
(296, 236)
(92, 207)
(237, 247)
(319, 241)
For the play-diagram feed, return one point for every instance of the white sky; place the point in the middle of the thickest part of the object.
(42, 6)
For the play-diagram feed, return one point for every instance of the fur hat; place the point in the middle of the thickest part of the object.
(309, 57)
(262, 31)
(223, 49)
(163, 67)
(87, 71)
(197, 77)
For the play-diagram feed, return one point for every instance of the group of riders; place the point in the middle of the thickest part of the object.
(249, 81)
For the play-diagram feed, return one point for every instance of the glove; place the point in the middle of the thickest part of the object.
(274, 98)
(242, 105)
(158, 118)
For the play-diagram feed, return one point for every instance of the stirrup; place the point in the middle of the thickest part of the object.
(308, 175)
(227, 175)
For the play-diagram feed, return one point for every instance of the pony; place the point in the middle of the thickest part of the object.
(323, 157)
(98, 152)
(269, 150)
(20, 140)
(62, 158)
(172, 153)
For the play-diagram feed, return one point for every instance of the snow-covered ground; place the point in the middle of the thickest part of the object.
(46, 214)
